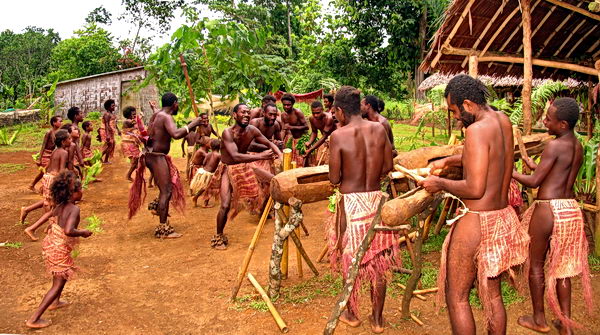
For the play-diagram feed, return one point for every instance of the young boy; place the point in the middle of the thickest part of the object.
(210, 165)
(58, 244)
(108, 128)
(47, 148)
(130, 145)
(197, 160)
(72, 149)
(86, 141)
(74, 114)
(555, 223)
(59, 161)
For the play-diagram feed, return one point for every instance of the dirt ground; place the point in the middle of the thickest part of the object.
(132, 283)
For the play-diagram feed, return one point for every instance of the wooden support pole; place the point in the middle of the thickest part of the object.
(527, 65)
(427, 225)
(418, 296)
(353, 272)
(590, 109)
(415, 277)
(298, 252)
(250, 252)
(597, 228)
(287, 165)
(323, 253)
(442, 219)
(189, 84)
(457, 25)
(299, 246)
(473, 63)
(280, 323)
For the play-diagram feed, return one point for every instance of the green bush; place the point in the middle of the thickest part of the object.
(95, 115)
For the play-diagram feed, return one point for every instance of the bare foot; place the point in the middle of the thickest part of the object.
(30, 234)
(351, 321)
(38, 324)
(32, 188)
(129, 179)
(208, 206)
(528, 322)
(172, 235)
(23, 215)
(375, 328)
(220, 247)
(561, 330)
(60, 304)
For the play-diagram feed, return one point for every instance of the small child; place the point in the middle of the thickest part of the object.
(58, 244)
(555, 223)
(58, 163)
(197, 160)
(130, 145)
(86, 141)
(47, 148)
(210, 165)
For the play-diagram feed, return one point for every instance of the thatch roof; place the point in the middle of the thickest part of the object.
(563, 31)
(499, 82)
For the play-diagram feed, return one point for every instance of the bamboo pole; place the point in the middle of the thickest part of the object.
(418, 296)
(473, 63)
(457, 25)
(189, 84)
(527, 65)
(280, 323)
(323, 253)
(253, 242)
(353, 272)
(427, 290)
(416, 319)
(287, 165)
(299, 246)
(597, 228)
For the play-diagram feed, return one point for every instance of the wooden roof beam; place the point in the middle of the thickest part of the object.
(581, 40)
(516, 30)
(457, 25)
(571, 34)
(556, 30)
(575, 9)
(485, 30)
(491, 40)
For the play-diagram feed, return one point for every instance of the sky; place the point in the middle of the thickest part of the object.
(66, 16)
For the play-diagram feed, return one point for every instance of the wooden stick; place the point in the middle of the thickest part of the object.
(418, 296)
(189, 85)
(416, 319)
(597, 229)
(453, 32)
(253, 242)
(575, 9)
(427, 225)
(498, 31)
(299, 246)
(527, 65)
(411, 237)
(427, 290)
(323, 253)
(280, 323)
(296, 234)
(442, 219)
(287, 165)
(353, 272)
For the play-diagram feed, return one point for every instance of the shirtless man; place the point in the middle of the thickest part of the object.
(555, 222)
(489, 239)
(107, 130)
(161, 130)
(328, 102)
(205, 129)
(323, 122)
(191, 140)
(257, 113)
(360, 156)
(269, 127)
(74, 114)
(369, 107)
(294, 126)
(47, 148)
(238, 172)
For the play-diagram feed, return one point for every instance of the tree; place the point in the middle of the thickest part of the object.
(154, 15)
(99, 15)
(24, 61)
(90, 52)
(223, 58)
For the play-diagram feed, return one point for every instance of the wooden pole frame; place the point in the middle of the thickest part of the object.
(473, 64)
(485, 30)
(575, 9)
(527, 65)
(280, 323)
(453, 32)
(597, 228)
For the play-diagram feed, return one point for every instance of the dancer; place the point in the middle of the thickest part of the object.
(489, 238)
(107, 130)
(47, 148)
(197, 160)
(360, 155)
(58, 244)
(239, 175)
(59, 162)
(202, 179)
(323, 122)
(74, 114)
(156, 157)
(294, 126)
(269, 127)
(86, 142)
(130, 145)
(205, 128)
(556, 223)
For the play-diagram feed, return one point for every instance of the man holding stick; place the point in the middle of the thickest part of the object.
(156, 156)
(360, 155)
(294, 126)
(489, 238)
(323, 122)
(240, 174)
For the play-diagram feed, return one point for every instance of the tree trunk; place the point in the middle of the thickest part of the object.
(420, 75)
(289, 25)
(527, 65)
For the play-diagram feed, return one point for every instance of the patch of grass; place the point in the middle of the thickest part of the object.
(509, 296)
(326, 285)
(30, 137)
(249, 301)
(8, 168)
(405, 134)
(75, 253)
(429, 275)
(594, 262)
(435, 242)
(14, 245)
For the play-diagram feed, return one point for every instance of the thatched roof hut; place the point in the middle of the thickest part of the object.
(439, 78)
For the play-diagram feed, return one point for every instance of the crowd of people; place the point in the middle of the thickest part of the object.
(349, 133)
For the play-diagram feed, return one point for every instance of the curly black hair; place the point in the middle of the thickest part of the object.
(348, 99)
(72, 112)
(128, 111)
(316, 104)
(289, 98)
(108, 103)
(464, 87)
(59, 137)
(63, 186)
(85, 124)
(269, 99)
(567, 109)
(372, 101)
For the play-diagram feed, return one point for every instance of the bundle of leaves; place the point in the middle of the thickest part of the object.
(585, 184)
(94, 224)
(90, 174)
